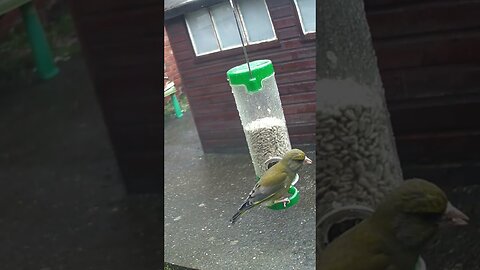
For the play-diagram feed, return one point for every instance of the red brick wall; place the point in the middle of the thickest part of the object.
(170, 64)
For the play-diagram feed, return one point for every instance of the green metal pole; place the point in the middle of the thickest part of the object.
(41, 51)
(176, 107)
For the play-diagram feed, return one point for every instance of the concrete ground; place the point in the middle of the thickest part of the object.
(62, 201)
(203, 191)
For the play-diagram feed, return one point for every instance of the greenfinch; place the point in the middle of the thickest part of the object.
(273, 186)
(394, 235)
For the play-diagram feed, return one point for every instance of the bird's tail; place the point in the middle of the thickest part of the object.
(245, 206)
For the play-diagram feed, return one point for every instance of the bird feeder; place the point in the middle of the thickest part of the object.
(259, 106)
(357, 163)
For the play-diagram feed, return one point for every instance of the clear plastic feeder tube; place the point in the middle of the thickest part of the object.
(357, 163)
(260, 109)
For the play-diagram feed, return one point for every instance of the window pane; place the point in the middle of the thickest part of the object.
(307, 14)
(256, 19)
(201, 31)
(225, 25)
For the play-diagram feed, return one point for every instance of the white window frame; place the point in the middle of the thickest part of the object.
(216, 35)
(246, 30)
(244, 33)
(300, 18)
(193, 40)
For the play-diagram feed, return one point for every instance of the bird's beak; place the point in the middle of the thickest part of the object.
(454, 216)
(307, 160)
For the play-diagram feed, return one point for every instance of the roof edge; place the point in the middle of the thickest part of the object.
(190, 6)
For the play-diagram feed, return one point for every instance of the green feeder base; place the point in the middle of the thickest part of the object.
(293, 200)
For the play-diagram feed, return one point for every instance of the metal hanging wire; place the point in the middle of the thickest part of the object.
(237, 16)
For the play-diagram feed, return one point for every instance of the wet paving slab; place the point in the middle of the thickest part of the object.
(63, 204)
(203, 191)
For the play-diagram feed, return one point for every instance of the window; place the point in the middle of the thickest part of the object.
(226, 28)
(214, 29)
(306, 13)
(202, 32)
(256, 20)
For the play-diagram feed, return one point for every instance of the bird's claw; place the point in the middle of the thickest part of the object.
(285, 201)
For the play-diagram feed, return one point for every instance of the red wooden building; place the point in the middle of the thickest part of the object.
(428, 54)
(205, 42)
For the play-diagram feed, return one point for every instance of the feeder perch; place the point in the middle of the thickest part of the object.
(337, 220)
(259, 106)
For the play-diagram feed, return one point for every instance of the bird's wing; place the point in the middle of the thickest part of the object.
(268, 186)
(356, 249)
(275, 177)
(358, 261)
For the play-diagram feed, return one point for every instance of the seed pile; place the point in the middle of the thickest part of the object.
(356, 158)
(266, 137)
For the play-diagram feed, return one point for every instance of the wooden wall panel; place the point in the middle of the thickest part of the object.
(431, 17)
(429, 61)
(431, 82)
(122, 42)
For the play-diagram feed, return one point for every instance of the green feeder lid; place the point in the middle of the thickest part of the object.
(240, 75)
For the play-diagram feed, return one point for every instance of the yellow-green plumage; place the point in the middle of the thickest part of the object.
(275, 183)
(393, 237)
